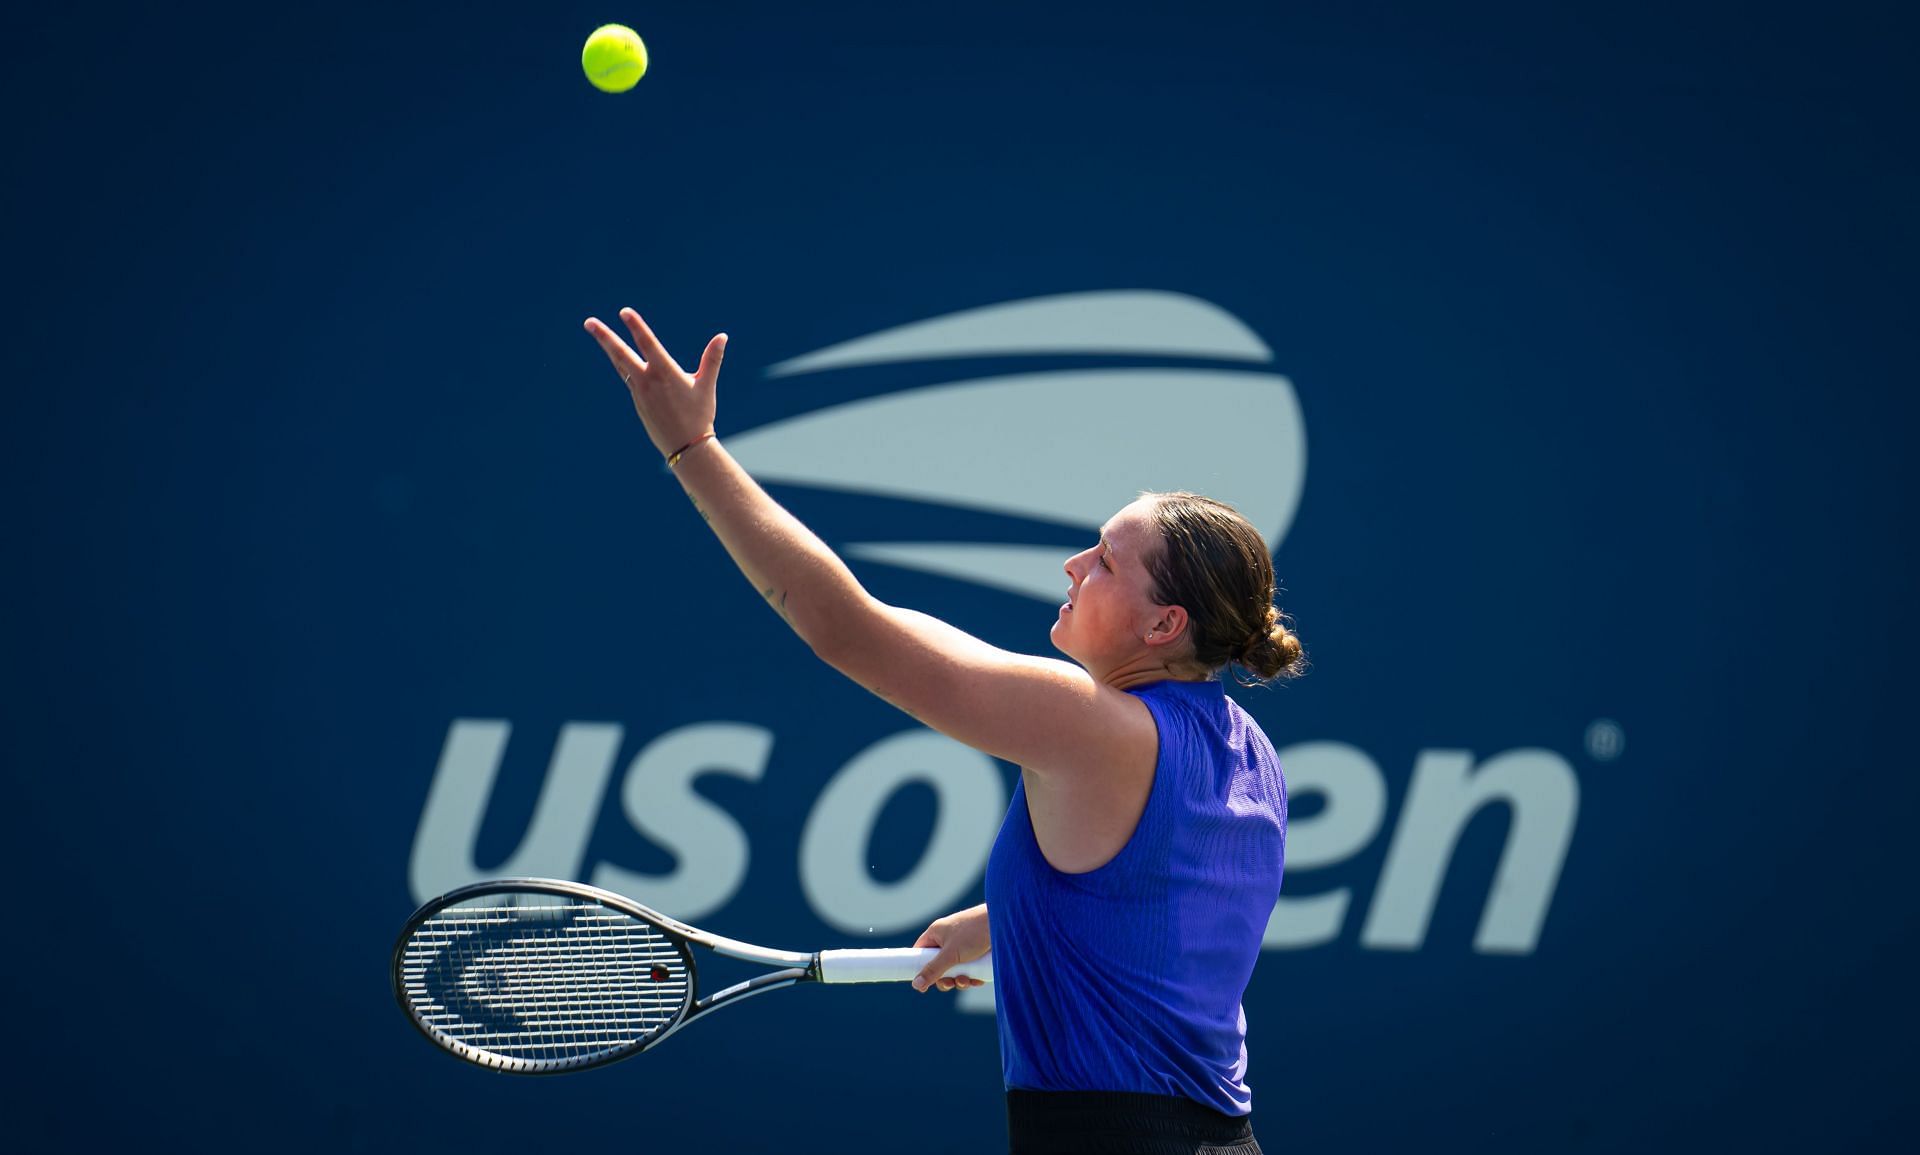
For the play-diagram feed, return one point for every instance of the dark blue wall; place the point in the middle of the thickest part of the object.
(1600, 329)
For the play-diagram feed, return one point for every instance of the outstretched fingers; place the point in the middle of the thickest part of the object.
(649, 345)
(625, 361)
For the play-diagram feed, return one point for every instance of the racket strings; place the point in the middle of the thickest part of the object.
(543, 985)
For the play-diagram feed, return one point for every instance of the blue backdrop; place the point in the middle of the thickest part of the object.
(1580, 349)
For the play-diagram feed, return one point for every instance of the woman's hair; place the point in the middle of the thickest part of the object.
(1214, 564)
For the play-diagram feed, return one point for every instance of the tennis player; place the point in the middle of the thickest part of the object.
(1132, 880)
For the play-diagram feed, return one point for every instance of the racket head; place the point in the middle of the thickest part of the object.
(536, 976)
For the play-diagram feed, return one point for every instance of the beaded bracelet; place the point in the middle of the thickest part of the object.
(673, 458)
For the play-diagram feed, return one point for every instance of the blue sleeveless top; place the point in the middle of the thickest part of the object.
(1128, 977)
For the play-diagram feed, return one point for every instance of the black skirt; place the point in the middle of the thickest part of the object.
(1122, 1123)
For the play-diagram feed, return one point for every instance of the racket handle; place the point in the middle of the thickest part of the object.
(894, 965)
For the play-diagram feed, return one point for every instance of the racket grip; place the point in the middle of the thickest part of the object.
(894, 965)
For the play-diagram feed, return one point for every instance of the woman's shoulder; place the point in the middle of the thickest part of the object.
(1187, 714)
(1188, 700)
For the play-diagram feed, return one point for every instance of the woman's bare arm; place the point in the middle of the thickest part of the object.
(1048, 716)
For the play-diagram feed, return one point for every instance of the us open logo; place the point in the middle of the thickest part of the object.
(1071, 446)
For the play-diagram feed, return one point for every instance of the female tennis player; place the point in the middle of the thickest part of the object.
(1132, 880)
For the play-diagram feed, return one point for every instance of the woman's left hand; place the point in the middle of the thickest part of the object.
(674, 407)
(962, 938)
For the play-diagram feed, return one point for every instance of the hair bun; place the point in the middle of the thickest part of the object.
(1274, 652)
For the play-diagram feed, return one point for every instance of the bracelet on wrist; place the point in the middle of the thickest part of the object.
(673, 458)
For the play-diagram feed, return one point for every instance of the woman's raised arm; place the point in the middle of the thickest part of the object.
(1046, 715)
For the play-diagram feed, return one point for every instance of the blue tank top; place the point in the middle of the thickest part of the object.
(1129, 977)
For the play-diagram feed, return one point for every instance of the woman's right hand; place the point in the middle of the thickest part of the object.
(674, 407)
(961, 938)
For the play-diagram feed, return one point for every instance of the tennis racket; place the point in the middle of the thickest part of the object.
(537, 976)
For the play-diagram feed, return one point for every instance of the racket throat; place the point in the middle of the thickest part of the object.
(759, 984)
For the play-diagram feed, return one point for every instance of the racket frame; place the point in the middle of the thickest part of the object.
(791, 967)
(794, 967)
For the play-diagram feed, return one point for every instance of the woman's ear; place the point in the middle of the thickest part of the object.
(1168, 627)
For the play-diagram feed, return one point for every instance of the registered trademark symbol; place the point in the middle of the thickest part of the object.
(1606, 741)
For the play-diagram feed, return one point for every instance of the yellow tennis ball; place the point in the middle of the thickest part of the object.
(615, 58)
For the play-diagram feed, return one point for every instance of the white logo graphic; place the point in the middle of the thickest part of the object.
(1068, 446)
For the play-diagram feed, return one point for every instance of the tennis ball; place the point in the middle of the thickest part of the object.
(615, 58)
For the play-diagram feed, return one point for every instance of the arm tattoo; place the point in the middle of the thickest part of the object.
(779, 605)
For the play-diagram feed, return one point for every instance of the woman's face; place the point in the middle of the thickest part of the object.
(1110, 606)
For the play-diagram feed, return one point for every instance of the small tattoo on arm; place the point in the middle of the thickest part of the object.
(779, 604)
